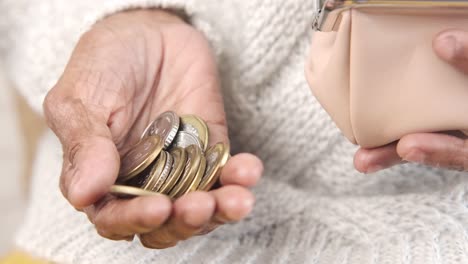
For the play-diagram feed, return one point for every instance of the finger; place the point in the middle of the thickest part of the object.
(191, 212)
(437, 150)
(376, 159)
(452, 46)
(78, 109)
(233, 203)
(242, 169)
(122, 218)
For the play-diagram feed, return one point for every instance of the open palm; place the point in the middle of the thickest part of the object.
(124, 72)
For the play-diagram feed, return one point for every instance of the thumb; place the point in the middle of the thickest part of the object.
(90, 157)
(452, 46)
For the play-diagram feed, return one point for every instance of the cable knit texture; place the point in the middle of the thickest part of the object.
(312, 206)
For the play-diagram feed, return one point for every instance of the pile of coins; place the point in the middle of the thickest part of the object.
(172, 158)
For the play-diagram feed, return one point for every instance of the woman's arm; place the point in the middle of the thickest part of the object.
(433, 149)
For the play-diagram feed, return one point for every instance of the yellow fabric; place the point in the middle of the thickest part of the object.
(21, 258)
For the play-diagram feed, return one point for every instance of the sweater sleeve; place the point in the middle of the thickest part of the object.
(289, 225)
(296, 226)
(37, 37)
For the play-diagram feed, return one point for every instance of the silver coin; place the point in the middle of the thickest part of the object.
(166, 126)
(166, 171)
(195, 126)
(190, 129)
(185, 139)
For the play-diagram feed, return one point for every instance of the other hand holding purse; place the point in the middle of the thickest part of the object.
(372, 68)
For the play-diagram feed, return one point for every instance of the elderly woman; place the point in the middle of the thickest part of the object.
(104, 69)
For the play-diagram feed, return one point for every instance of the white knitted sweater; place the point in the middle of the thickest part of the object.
(312, 206)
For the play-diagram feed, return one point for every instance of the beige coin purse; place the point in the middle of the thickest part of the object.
(373, 69)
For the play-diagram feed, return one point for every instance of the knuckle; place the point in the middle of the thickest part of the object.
(113, 236)
(51, 96)
(107, 234)
(105, 220)
(148, 244)
(72, 149)
(68, 172)
(63, 114)
(63, 185)
(102, 227)
(49, 105)
(108, 231)
(90, 217)
(149, 241)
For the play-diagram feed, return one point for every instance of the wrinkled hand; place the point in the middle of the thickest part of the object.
(433, 149)
(125, 71)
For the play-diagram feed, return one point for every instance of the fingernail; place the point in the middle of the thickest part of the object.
(373, 169)
(415, 156)
(448, 46)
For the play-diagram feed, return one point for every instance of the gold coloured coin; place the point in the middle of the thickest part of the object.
(198, 176)
(122, 191)
(155, 173)
(216, 158)
(180, 159)
(191, 167)
(165, 172)
(139, 157)
(198, 127)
